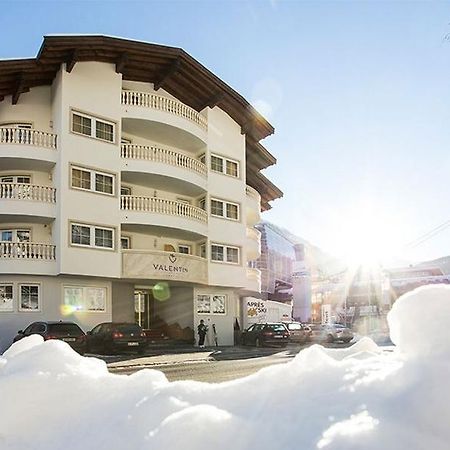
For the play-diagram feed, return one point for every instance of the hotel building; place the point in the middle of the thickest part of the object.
(130, 187)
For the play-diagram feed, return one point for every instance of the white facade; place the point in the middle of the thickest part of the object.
(139, 169)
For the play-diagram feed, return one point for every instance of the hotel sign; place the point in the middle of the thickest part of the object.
(164, 266)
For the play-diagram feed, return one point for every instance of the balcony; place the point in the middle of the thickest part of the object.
(28, 144)
(253, 204)
(253, 244)
(165, 162)
(27, 258)
(253, 280)
(21, 199)
(165, 213)
(159, 265)
(164, 110)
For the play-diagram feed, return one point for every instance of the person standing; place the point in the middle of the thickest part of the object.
(202, 329)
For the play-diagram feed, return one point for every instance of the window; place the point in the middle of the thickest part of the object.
(216, 208)
(92, 180)
(211, 304)
(202, 203)
(23, 125)
(29, 297)
(232, 168)
(92, 236)
(186, 249)
(220, 208)
(81, 235)
(104, 183)
(233, 255)
(125, 242)
(92, 127)
(224, 253)
(232, 211)
(217, 252)
(216, 164)
(103, 237)
(81, 178)
(15, 235)
(85, 298)
(202, 250)
(21, 179)
(125, 190)
(104, 131)
(225, 165)
(6, 297)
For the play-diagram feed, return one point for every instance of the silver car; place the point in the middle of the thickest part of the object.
(331, 333)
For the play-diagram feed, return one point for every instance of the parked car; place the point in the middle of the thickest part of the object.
(260, 334)
(330, 333)
(65, 331)
(112, 337)
(297, 332)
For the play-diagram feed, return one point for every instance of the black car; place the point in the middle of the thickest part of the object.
(261, 334)
(112, 337)
(65, 331)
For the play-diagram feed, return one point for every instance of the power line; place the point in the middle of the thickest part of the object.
(428, 235)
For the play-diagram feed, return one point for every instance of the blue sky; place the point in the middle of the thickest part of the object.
(358, 92)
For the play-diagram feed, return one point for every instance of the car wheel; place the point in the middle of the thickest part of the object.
(330, 338)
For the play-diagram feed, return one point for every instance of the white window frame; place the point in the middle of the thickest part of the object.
(225, 254)
(22, 125)
(92, 174)
(224, 165)
(189, 248)
(3, 285)
(207, 302)
(125, 238)
(92, 229)
(224, 209)
(84, 298)
(21, 309)
(94, 121)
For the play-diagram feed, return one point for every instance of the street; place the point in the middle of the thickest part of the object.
(212, 366)
(212, 371)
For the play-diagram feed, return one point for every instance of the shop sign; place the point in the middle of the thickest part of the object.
(256, 309)
(164, 266)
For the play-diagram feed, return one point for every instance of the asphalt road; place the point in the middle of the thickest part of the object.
(214, 371)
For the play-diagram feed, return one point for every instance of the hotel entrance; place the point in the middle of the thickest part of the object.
(144, 308)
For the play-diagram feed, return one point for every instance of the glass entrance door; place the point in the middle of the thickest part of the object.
(144, 308)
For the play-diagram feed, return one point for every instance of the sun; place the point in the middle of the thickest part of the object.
(368, 239)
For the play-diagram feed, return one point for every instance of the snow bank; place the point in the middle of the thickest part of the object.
(360, 398)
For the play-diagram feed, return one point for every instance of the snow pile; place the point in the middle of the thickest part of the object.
(358, 398)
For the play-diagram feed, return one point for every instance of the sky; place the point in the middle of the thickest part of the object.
(358, 93)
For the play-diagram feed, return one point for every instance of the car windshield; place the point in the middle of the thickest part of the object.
(276, 327)
(65, 329)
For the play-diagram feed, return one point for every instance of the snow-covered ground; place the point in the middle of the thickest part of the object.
(355, 398)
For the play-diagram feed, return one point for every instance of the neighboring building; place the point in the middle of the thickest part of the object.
(405, 279)
(130, 188)
(287, 264)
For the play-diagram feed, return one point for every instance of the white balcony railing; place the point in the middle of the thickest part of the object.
(253, 193)
(27, 250)
(162, 206)
(163, 155)
(160, 103)
(27, 136)
(254, 234)
(253, 274)
(30, 192)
